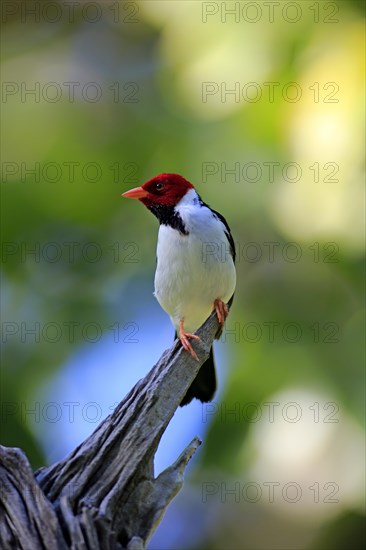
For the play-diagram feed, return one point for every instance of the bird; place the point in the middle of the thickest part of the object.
(195, 272)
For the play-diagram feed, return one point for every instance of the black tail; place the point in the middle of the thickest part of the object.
(203, 386)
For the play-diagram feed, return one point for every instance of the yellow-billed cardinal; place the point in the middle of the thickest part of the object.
(195, 270)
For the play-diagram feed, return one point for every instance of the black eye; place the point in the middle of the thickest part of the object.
(159, 185)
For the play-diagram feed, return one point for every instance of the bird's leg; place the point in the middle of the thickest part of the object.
(184, 338)
(221, 310)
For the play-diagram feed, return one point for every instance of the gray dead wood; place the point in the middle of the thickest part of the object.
(104, 494)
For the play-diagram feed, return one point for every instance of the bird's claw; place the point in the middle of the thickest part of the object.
(184, 338)
(221, 311)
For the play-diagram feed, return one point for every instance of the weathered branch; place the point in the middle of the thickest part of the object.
(104, 494)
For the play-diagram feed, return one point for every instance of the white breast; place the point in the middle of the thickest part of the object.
(193, 270)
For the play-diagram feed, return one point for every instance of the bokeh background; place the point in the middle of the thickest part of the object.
(261, 106)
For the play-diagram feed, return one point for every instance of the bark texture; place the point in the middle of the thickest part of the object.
(104, 494)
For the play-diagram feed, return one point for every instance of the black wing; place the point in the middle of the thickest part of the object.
(227, 232)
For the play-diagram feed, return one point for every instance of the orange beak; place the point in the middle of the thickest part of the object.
(136, 193)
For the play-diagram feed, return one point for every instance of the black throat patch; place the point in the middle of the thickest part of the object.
(167, 215)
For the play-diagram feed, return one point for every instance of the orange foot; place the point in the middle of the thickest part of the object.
(221, 310)
(184, 338)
